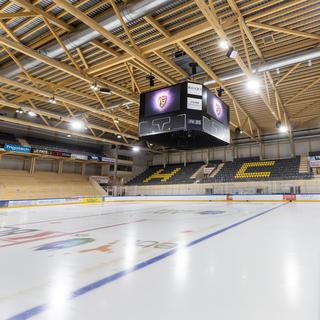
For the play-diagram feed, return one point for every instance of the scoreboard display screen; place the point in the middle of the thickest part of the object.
(217, 109)
(184, 116)
(162, 101)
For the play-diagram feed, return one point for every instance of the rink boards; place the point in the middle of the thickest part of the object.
(173, 198)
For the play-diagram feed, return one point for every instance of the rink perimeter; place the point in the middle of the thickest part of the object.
(152, 261)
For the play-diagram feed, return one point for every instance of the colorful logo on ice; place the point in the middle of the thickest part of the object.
(64, 244)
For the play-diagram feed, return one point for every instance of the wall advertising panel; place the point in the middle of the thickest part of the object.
(17, 148)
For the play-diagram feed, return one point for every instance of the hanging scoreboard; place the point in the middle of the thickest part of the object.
(184, 116)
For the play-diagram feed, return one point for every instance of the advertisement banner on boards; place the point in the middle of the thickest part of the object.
(17, 148)
(92, 200)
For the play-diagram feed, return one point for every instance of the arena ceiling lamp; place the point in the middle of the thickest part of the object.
(19, 110)
(32, 114)
(52, 100)
(77, 125)
(281, 127)
(238, 131)
(223, 44)
(94, 87)
(254, 85)
(136, 149)
(232, 53)
(105, 91)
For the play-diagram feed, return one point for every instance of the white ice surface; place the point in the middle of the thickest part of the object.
(266, 268)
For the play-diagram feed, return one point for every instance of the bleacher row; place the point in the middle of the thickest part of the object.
(239, 170)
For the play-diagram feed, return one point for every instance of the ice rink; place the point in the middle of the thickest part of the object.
(161, 261)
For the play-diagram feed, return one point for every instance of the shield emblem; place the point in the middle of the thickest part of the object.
(162, 101)
(218, 108)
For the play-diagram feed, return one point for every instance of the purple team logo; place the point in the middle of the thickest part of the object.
(162, 101)
(217, 108)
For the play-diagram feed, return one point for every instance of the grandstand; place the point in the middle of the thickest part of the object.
(239, 170)
(171, 174)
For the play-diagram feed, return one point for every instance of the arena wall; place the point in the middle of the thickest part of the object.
(282, 148)
(266, 187)
(5, 204)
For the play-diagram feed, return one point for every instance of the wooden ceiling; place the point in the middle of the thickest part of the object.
(260, 30)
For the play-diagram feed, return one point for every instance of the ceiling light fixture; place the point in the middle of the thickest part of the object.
(254, 85)
(283, 129)
(77, 125)
(32, 114)
(151, 79)
(223, 44)
(193, 66)
(106, 91)
(135, 149)
(52, 100)
(220, 92)
(94, 87)
(232, 53)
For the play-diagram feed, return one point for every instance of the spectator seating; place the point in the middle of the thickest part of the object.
(171, 174)
(18, 184)
(252, 169)
(239, 170)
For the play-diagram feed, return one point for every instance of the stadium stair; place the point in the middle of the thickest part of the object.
(304, 165)
(198, 172)
(215, 172)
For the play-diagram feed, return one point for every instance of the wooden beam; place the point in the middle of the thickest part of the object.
(62, 118)
(274, 9)
(105, 48)
(116, 89)
(62, 45)
(212, 19)
(58, 130)
(65, 100)
(24, 14)
(299, 93)
(30, 7)
(108, 35)
(285, 76)
(291, 32)
(123, 24)
(157, 45)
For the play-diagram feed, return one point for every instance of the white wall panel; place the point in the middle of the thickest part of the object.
(302, 148)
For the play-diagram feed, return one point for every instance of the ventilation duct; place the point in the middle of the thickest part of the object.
(135, 10)
(131, 11)
(282, 62)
